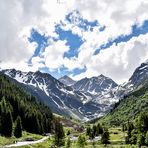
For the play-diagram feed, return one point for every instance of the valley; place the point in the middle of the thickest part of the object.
(92, 112)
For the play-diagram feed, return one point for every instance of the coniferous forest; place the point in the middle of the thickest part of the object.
(21, 111)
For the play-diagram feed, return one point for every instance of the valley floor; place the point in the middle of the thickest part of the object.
(116, 139)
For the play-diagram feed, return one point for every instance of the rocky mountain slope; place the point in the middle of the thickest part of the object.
(60, 98)
(128, 108)
(67, 80)
(86, 99)
(101, 88)
(94, 85)
(139, 76)
(135, 98)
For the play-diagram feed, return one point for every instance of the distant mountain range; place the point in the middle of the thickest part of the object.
(85, 99)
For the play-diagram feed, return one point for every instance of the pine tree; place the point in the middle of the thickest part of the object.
(14, 101)
(130, 127)
(105, 137)
(133, 138)
(88, 131)
(7, 125)
(142, 122)
(68, 133)
(59, 133)
(99, 130)
(6, 119)
(123, 127)
(18, 128)
(94, 130)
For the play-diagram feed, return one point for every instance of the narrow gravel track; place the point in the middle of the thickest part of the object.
(23, 143)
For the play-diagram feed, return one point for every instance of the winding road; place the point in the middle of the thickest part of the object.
(23, 143)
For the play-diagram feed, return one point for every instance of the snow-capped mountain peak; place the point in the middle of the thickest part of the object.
(94, 84)
(139, 75)
(138, 78)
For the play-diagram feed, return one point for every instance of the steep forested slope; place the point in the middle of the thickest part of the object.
(14, 101)
(128, 108)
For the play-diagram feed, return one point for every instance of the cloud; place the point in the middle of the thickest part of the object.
(14, 45)
(54, 54)
(118, 61)
(72, 63)
(17, 18)
(117, 17)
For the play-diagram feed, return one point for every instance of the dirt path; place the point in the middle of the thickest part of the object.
(23, 143)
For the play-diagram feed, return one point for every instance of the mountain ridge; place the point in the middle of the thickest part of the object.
(86, 99)
(60, 98)
(67, 80)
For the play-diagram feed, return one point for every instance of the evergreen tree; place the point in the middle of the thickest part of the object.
(8, 124)
(143, 122)
(88, 131)
(94, 130)
(6, 119)
(14, 101)
(133, 138)
(105, 137)
(59, 133)
(99, 130)
(18, 127)
(123, 128)
(130, 127)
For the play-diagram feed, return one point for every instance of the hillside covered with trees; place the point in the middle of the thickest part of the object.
(128, 108)
(20, 111)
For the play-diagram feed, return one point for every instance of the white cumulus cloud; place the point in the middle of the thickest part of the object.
(18, 17)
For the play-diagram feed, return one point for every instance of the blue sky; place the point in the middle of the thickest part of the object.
(73, 41)
(75, 38)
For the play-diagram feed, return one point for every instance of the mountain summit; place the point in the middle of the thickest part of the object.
(95, 85)
(139, 75)
(67, 80)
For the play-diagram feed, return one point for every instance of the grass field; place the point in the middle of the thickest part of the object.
(116, 141)
(6, 141)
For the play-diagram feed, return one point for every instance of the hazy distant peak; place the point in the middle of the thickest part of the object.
(67, 80)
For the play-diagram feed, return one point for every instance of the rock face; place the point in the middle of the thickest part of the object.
(95, 85)
(139, 75)
(67, 80)
(138, 79)
(101, 88)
